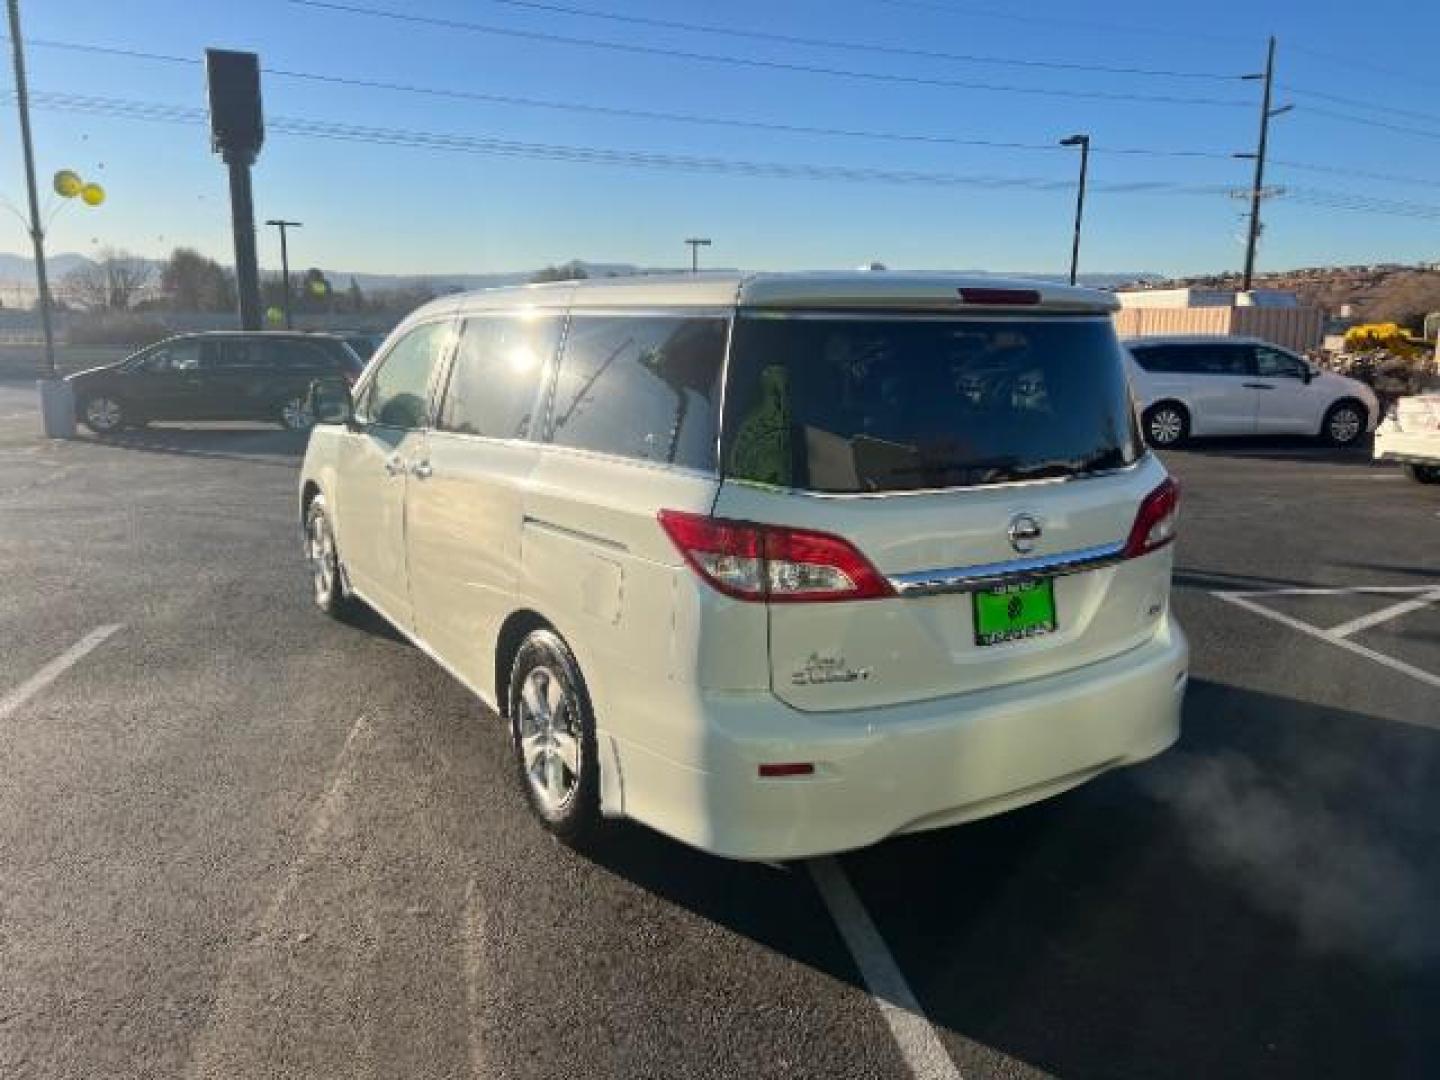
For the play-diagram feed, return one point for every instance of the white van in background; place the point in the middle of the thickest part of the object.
(1212, 385)
(779, 564)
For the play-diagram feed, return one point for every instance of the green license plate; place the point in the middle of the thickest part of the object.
(1014, 612)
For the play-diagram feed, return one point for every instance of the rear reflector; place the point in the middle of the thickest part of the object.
(1156, 522)
(770, 770)
(1000, 296)
(750, 561)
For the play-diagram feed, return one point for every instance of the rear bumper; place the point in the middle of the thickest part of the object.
(1407, 447)
(883, 771)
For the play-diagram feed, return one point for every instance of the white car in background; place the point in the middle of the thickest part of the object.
(1242, 386)
(1410, 435)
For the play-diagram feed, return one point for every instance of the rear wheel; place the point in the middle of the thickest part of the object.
(1423, 474)
(1166, 424)
(295, 414)
(1344, 423)
(103, 414)
(553, 730)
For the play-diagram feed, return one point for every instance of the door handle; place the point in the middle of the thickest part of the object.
(394, 466)
(1259, 386)
(421, 470)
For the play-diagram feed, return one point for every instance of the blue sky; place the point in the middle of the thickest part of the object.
(403, 209)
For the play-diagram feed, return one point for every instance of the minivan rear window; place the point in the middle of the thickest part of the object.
(875, 404)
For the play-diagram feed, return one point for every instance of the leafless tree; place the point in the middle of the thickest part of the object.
(112, 282)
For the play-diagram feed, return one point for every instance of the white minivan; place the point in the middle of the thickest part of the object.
(776, 564)
(1209, 385)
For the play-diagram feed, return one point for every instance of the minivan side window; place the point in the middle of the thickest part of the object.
(398, 395)
(495, 379)
(1218, 359)
(641, 386)
(174, 356)
(1274, 364)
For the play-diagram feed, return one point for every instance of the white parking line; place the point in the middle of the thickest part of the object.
(1384, 615)
(919, 1045)
(53, 670)
(1242, 600)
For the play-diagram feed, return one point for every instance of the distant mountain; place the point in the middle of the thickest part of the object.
(20, 269)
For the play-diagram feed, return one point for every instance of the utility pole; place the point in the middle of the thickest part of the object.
(1257, 188)
(282, 225)
(57, 406)
(696, 243)
(1082, 141)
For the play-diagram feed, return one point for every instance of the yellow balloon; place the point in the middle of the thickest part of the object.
(68, 183)
(93, 194)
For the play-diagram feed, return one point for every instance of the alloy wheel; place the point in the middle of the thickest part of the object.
(103, 413)
(1166, 427)
(295, 414)
(548, 728)
(320, 551)
(1345, 425)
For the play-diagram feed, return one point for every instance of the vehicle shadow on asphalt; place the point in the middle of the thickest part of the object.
(1283, 448)
(1218, 580)
(261, 446)
(1258, 900)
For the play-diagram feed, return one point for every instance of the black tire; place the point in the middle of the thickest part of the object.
(1345, 423)
(566, 802)
(104, 414)
(1423, 474)
(1166, 424)
(327, 575)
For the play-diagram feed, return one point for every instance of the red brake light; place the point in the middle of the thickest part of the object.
(1156, 521)
(1000, 297)
(750, 561)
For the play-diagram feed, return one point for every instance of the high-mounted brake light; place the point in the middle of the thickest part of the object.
(1000, 297)
(1156, 522)
(750, 561)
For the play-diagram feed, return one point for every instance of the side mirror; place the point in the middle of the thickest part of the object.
(330, 402)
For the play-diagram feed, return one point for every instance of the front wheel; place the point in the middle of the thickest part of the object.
(1344, 423)
(102, 414)
(1423, 474)
(326, 578)
(553, 731)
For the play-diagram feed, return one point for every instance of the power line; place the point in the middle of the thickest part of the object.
(778, 127)
(769, 65)
(635, 113)
(973, 12)
(1366, 121)
(126, 109)
(1358, 103)
(856, 46)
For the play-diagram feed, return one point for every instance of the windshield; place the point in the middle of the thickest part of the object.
(868, 404)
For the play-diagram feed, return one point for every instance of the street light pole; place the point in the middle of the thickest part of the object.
(1082, 141)
(282, 225)
(696, 243)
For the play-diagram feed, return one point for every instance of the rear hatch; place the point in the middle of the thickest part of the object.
(983, 475)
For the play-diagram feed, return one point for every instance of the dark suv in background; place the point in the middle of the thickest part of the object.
(214, 376)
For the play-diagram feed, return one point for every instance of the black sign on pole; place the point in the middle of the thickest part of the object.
(237, 130)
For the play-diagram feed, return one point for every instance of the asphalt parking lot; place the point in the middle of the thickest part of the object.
(238, 839)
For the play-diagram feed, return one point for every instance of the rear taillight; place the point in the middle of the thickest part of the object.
(751, 561)
(1156, 522)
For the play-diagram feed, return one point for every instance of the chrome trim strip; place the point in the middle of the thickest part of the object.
(987, 575)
